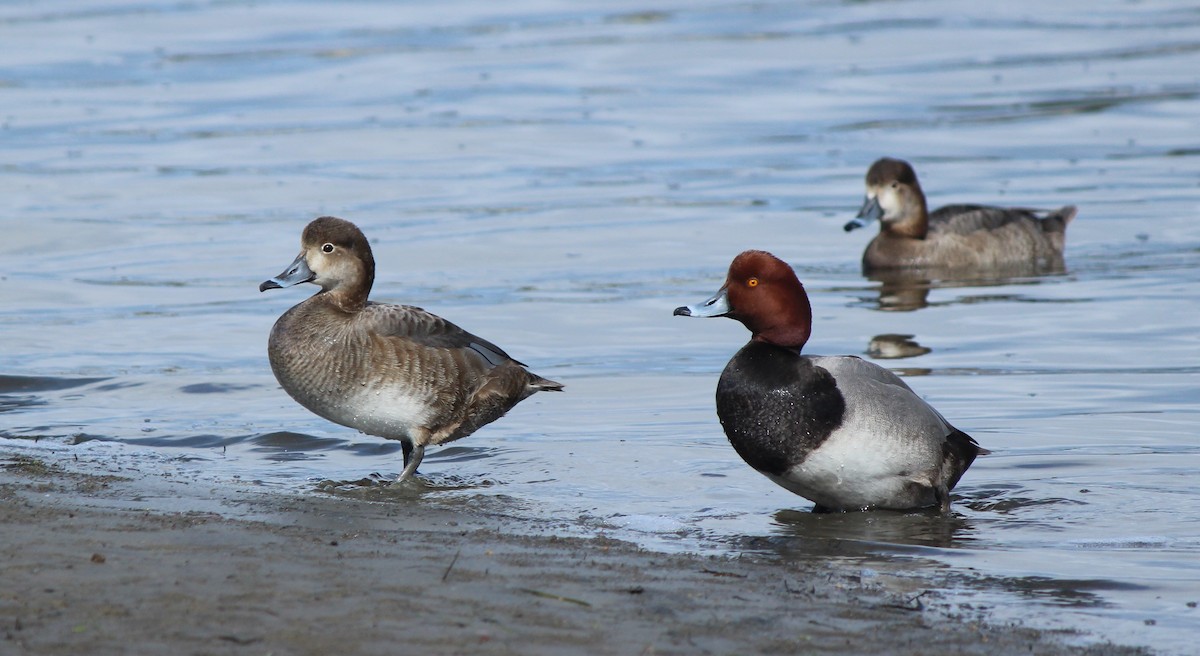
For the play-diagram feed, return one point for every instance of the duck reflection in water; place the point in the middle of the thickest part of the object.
(902, 290)
(823, 531)
(892, 346)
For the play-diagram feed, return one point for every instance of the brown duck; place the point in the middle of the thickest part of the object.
(393, 371)
(956, 237)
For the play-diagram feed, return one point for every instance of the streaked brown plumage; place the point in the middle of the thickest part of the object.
(960, 237)
(394, 371)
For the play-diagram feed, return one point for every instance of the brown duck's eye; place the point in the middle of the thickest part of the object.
(327, 248)
(753, 282)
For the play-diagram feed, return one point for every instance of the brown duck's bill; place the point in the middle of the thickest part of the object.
(870, 211)
(296, 273)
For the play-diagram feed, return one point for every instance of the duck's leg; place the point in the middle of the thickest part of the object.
(412, 460)
(942, 496)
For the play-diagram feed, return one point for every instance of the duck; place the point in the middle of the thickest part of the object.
(392, 371)
(954, 237)
(842, 432)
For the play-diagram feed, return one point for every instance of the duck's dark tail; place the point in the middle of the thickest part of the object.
(958, 452)
(1057, 220)
(540, 384)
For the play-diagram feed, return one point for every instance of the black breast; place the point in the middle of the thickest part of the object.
(776, 406)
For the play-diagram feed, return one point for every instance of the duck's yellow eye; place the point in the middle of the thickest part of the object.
(327, 248)
(753, 282)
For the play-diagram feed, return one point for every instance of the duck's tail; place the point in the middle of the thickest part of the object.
(539, 384)
(1057, 220)
(958, 452)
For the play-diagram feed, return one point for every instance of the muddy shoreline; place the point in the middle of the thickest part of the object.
(137, 563)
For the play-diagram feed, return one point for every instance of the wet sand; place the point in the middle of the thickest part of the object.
(148, 563)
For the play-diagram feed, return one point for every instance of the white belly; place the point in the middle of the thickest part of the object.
(849, 471)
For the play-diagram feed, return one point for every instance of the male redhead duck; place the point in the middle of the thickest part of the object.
(964, 237)
(394, 371)
(837, 430)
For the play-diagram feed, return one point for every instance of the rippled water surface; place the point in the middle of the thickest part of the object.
(557, 177)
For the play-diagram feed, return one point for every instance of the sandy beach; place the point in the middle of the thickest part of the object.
(145, 564)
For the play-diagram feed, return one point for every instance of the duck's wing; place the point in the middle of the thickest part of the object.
(850, 367)
(968, 219)
(430, 330)
(875, 392)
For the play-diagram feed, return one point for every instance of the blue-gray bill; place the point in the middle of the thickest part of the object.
(717, 306)
(296, 273)
(870, 211)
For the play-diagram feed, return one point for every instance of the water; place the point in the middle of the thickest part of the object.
(557, 178)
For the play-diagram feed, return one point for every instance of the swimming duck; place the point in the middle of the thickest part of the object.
(961, 237)
(393, 371)
(839, 431)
